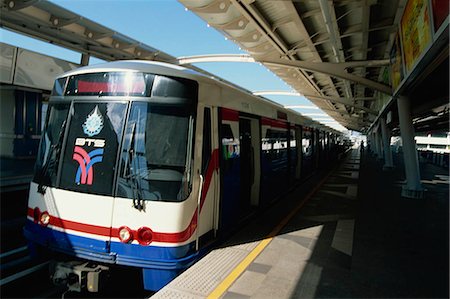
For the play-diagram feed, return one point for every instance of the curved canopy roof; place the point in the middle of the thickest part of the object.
(338, 50)
(335, 52)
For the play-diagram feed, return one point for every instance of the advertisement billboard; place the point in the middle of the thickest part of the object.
(415, 31)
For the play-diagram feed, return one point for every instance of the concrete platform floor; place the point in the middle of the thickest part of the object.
(354, 238)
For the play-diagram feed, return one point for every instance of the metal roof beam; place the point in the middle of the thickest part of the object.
(60, 22)
(249, 11)
(18, 4)
(336, 70)
(49, 22)
(343, 101)
(294, 93)
(333, 69)
(301, 107)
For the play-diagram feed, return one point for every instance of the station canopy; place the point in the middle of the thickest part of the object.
(340, 54)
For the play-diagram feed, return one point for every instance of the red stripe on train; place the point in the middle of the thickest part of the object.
(114, 232)
(229, 114)
(273, 123)
(157, 236)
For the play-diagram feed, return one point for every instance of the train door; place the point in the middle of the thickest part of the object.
(316, 149)
(209, 208)
(250, 156)
(294, 157)
(247, 164)
(239, 167)
(298, 142)
(230, 184)
(309, 152)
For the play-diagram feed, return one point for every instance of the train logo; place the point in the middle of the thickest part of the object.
(94, 123)
(85, 172)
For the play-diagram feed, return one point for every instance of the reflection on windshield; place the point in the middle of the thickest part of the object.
(49, 148)
(155, 156)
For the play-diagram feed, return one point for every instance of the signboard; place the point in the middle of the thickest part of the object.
(397, 72)
(415, 31)
(440, 12)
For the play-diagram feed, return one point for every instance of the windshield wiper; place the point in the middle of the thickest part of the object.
(133, 178)
(47, 171)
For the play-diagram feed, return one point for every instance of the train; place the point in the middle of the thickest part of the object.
(146, 164)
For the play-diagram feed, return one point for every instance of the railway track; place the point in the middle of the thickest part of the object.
(23, 277)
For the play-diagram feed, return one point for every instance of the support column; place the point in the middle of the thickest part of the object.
(378, 150)
(85, 59)
(372, 142)
(386, 134)
(413, 187)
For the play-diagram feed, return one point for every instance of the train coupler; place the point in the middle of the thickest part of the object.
(79, 276)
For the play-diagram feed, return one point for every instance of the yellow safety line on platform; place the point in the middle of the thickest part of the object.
(236, 272)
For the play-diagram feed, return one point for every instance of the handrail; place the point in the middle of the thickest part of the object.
(200, 189)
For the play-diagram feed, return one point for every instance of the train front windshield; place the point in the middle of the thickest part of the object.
(119, 134)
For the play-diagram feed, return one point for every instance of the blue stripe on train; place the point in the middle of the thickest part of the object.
(159, 264)
(109, 252)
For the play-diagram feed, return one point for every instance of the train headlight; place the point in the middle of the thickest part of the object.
(144, 235)
(125, 234)
(44, 220)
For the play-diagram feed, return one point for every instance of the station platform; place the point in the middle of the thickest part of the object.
(349, 234)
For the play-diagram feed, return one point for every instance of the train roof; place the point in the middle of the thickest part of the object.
(173, 70)
(138, 66)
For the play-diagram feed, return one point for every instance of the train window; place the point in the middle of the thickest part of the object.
(93, 138)
(230, 148)
(275, 143)
(58, 87)
(226, 131)
(50, 146)
(157, 154)
(174, 88)
(292, 140)
(307, 143)
(206, 151)
(230, 145)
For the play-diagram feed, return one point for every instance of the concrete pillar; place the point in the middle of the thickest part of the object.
(372, 142)
(413, 187)
(377, 138)
(85, 59)
(380, 143)
(386, 134)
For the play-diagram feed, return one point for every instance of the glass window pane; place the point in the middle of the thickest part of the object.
(155, 163)
(95, 133)
(207, 149)
(50, 145)
(58, 87)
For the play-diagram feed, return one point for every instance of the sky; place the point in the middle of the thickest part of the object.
(167, 26)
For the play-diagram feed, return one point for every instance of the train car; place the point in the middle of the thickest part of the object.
(146, 164)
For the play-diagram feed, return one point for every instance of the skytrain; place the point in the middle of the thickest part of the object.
(146, 164)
